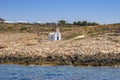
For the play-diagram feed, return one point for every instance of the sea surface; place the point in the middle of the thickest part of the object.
(19, 72)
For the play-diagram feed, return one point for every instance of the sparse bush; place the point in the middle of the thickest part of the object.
(23, 28)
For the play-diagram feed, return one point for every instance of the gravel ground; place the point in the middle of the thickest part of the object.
(20, 45)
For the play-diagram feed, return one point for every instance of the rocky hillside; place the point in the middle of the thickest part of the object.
(28, 48)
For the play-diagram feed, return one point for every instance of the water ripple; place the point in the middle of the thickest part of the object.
(18, 72)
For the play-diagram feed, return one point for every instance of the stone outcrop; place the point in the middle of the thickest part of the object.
(99, 51)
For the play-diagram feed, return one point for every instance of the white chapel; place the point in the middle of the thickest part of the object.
(54, 36)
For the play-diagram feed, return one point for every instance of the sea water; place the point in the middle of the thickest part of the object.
(19, 72)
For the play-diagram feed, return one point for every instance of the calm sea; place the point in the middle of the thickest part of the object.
(18, 72)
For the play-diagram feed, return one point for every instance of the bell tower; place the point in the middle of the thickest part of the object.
(57, 30)
(58, 34)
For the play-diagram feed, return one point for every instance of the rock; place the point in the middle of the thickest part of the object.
(88, 51)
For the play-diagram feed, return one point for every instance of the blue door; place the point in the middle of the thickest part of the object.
(57, 37)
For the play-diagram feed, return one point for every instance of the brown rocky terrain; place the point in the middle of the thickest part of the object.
(30, 48)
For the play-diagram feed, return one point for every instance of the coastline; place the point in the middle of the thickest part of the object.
(21, 48)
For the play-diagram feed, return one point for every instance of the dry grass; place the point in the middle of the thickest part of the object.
(33, 46)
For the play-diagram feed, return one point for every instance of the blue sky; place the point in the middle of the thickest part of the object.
(101, 11)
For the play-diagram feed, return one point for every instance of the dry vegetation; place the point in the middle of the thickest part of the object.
(29, 45)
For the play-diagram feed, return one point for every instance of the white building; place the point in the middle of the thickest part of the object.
(54, 36)
(22, 22)
(8, 22)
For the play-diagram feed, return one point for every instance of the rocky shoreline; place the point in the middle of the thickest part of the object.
(21, 48)
(77, 60)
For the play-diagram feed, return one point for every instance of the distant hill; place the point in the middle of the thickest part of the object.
(1, 19)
